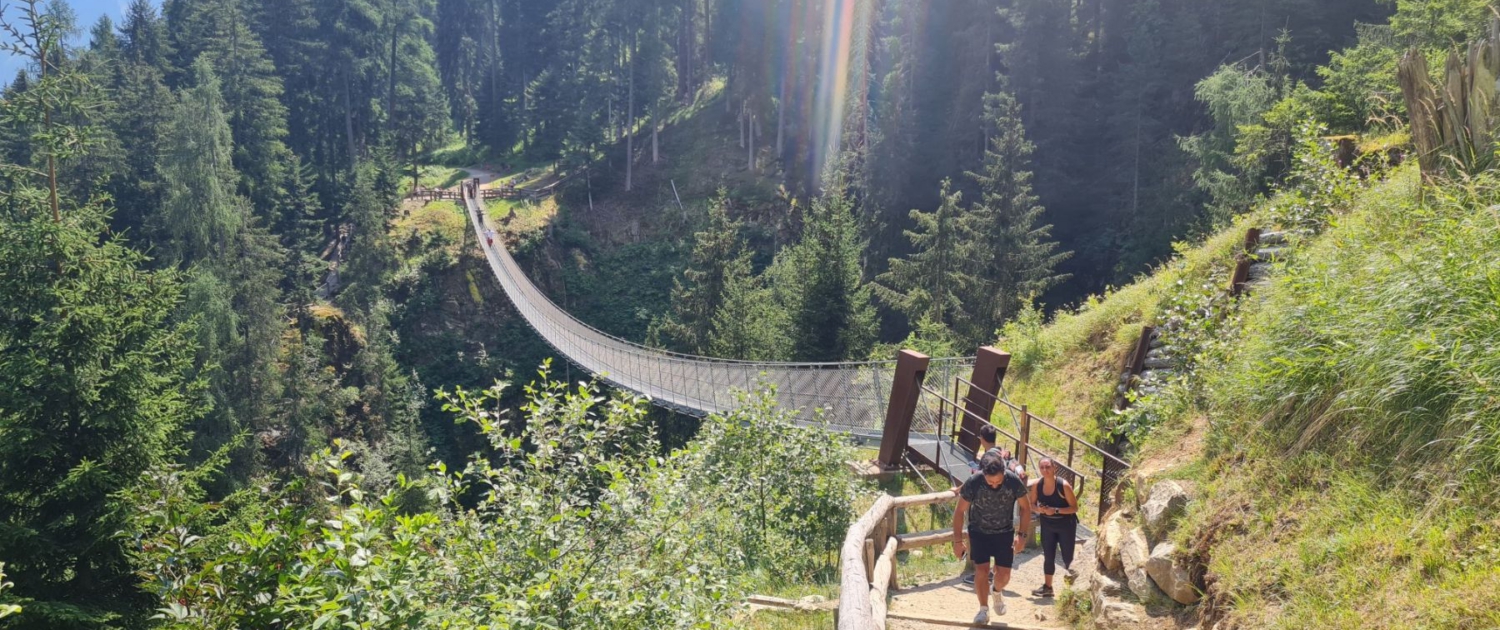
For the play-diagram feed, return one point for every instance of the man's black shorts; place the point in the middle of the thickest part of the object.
(998, 547)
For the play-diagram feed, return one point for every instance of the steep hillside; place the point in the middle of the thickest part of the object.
(609, 256)
(1333, 433)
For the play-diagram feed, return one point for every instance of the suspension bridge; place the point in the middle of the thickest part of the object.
(902, 404)
(850, 396)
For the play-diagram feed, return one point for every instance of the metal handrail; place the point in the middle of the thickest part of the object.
(1044, 421)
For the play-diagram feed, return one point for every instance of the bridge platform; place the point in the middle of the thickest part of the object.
(943, 454)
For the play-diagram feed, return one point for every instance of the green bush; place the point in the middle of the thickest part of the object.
(574, 519)
(786, 491)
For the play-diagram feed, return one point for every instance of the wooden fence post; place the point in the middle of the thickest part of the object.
(1025, 444)
(1241, 277)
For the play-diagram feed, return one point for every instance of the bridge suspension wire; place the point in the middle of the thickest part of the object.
(850, 396)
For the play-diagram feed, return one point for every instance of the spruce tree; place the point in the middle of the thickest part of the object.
(828, 302)
(924, 285)
(93, 390)
(93, 372)
(371, 257)
(751, 323)
(143, 35)
(1010, 257)
(719, 260)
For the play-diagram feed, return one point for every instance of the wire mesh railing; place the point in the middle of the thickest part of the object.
(848, 396)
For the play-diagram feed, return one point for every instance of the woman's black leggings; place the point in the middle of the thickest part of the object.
(1058, 537)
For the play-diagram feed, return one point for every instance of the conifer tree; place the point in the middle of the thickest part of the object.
(93, 373)
(202, 211)
(1010, 257)
(143, 35)
(751, 323)
(719, 261)
(139, 116)
(827, 300)
(220, 31)
(372, 257)
(923, 286)
(232, 264)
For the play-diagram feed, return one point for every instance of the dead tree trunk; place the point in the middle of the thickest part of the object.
(630, 126)
(781, 118)
(751, 155)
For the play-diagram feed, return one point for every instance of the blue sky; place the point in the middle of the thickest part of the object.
(88, 12)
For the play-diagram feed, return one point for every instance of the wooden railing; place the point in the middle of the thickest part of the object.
(866, 578)
(503, 191)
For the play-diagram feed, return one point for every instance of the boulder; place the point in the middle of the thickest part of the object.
(1109, 611)
(1103, 588)
(1110, 537)
(1119, 615)
(1169, 577)
(1167, 500)
(1134, 552)
(1159, 363)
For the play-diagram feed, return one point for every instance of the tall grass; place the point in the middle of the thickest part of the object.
(1380, 342)
(1298, 543)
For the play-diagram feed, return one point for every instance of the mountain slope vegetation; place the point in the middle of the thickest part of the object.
(248, 379)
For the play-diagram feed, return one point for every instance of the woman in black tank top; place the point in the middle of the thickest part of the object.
(1058, 513)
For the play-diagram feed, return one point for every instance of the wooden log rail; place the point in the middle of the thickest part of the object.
(865, 577)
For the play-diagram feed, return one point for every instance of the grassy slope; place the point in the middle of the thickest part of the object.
(1344, 434)
(1366, 497)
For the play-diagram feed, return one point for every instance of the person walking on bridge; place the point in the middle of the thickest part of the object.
(989, 501)
(1058, 509)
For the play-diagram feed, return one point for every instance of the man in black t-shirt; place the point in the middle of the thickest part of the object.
(988, 501)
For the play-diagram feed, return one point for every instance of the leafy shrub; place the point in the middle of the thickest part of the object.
(573, 520)
(784, 490)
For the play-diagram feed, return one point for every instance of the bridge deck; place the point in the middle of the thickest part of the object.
(943, 454)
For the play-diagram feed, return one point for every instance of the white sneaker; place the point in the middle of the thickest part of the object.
(998, 604)
(982, 618)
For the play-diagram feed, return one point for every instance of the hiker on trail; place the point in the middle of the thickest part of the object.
(489, 237)
(987, 437)
(1057, 508)
(988, 500)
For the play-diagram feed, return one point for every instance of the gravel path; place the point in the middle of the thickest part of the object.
(953, 602)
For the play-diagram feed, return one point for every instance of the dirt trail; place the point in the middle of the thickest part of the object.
(954, 603)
